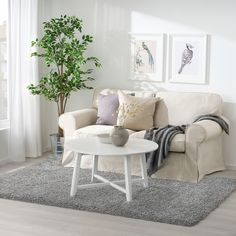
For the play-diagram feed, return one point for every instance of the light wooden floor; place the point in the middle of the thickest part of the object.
(25, 219)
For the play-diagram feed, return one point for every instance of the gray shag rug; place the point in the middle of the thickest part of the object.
(166, 201)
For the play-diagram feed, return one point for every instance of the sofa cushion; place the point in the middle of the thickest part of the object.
(180, 108)
(108, 91)
(134, 112)
(177, 144)
(94, 130)
(107, 109)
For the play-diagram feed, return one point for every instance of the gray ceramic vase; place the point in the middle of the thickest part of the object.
(119, 135)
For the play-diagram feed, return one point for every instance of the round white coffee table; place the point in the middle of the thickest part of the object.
(91, 146)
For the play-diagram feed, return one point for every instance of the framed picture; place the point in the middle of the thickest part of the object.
(147, 57)
(188, 58)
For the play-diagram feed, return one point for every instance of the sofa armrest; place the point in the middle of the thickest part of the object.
(72, 121)
(202, 131)
(204, 148)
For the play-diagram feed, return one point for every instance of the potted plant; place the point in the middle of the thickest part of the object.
(63, 48)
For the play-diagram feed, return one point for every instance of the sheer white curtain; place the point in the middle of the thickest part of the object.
(25, 130)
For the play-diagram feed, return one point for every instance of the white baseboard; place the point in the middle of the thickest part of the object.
(230, 167)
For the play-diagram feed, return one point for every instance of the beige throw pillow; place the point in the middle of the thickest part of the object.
(135, 113)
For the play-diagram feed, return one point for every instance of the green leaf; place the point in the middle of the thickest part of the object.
(63, 48)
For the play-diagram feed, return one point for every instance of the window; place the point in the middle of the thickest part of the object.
(3, 65)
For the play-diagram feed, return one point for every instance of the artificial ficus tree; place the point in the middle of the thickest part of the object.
(63, 48)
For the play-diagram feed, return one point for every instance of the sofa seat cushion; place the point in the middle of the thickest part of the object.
(94, 130)
(177, 144)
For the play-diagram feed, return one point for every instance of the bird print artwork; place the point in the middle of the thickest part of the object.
(138, 59)
(187, 56)
(150, 57)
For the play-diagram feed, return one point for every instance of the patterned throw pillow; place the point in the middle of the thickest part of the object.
(136, 113)
(107, 109)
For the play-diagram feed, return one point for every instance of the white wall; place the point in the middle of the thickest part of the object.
(111, 21)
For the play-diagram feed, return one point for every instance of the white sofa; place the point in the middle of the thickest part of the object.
(192, 155)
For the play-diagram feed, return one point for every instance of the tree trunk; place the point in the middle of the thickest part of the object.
(60, 105)
(60, 131)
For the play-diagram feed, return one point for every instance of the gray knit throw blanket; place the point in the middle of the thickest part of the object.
(163, 137)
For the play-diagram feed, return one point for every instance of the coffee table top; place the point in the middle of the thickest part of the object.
(92, 146)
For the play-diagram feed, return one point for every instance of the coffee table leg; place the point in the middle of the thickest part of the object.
(75, 177)
(143, 165)
(95, 167)
(128, 186)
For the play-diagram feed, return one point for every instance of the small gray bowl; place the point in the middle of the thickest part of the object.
(104, 138)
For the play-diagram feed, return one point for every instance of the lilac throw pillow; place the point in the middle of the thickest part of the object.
(107, 109)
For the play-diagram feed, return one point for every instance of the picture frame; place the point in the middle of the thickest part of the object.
(188, 57)
(147, 57)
